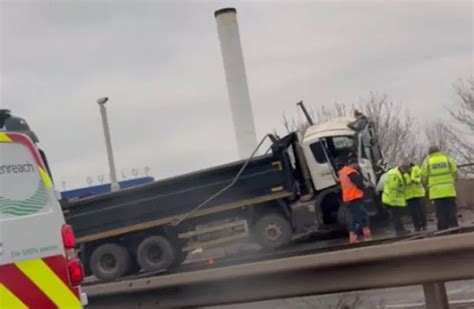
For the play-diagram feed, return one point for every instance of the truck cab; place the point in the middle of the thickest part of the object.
(327, 146)
(38, 266)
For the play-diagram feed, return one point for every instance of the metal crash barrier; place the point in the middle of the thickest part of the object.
(430, 262)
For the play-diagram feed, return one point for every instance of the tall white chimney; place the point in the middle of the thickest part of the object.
(236, 79)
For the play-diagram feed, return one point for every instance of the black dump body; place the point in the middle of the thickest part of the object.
(179, 195)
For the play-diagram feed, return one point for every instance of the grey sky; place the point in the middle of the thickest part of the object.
(160, 64)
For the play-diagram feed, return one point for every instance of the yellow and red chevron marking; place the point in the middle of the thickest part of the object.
(18, 138)
(37, 283)
(4, 138)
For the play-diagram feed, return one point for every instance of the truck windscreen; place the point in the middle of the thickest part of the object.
(340, 146)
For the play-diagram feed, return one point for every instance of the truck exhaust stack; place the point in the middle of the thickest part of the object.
(236, 78)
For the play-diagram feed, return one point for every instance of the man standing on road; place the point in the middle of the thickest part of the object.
(414, 195)
(439, 172)
(352, 189)
(393, 196)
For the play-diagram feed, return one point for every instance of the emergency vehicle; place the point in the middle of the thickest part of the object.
(38, 264)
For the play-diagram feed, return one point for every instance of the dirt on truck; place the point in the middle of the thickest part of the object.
(271, 198)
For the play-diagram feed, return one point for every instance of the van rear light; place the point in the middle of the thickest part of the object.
(76, 273)
(67, 234)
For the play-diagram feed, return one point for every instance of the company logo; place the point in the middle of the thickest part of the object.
(29, 206)
(23, 182)
(16, 168)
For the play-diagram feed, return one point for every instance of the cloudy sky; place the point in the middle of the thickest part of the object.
(160, 64)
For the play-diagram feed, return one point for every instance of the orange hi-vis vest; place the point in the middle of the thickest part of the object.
(349, 190)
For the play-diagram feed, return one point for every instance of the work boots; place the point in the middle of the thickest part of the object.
(352, 238)
(366, 233)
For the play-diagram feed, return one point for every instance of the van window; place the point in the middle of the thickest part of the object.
(22, 191)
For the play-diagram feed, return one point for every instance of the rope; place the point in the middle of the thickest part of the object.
(212, 197)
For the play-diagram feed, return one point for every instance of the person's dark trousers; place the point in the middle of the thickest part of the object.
(359, 217)
(446, 213)
(396, 214)
(418, 216)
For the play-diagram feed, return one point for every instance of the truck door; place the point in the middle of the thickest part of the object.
(320, 169)
(365, 157)
(326, 154)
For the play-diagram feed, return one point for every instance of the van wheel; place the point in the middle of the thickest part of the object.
(110, 261)
(155, 253)
(272, 231)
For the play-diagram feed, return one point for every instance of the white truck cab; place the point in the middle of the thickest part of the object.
(326, 147)
(328, 144)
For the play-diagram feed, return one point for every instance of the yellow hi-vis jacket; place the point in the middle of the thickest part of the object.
(415, 188)
(439, 172)
(394, 189)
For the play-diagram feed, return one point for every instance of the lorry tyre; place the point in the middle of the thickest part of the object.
(272, 231)
(110, 261)
(180, 258)
(343, 217)
(155, 253)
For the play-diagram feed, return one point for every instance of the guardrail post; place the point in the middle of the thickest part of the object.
(435, 295)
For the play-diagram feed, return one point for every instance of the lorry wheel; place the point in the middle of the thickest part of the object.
(180, 258)
(110, 261)
(343, 217)
(272, 231)
(155, 253)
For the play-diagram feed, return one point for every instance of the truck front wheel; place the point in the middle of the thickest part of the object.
(272, 231)
(343, 217)
(110, 261)
(155, 253)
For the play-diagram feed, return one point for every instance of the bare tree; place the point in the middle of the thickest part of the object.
(456, 137)
(463, 113)
(397, 130)
(292, 125)
(325, 113)
(462, 128)
(438, 133)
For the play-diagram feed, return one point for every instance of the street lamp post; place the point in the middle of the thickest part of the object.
(108, 143)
